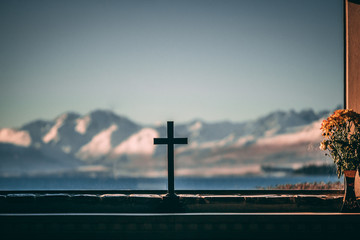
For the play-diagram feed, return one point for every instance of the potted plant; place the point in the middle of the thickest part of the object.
(341, 132)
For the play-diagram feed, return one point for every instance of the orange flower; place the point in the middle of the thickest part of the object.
(339, 120)
(341, 131)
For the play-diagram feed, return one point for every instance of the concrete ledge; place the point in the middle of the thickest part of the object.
(155, 203)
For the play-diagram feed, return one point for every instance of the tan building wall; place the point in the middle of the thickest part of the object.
(352, 38)
(352, 62)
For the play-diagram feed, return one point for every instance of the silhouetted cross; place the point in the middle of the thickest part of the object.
(170, 141)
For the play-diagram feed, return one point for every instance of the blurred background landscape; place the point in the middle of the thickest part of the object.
(87, 85)
(105, 145)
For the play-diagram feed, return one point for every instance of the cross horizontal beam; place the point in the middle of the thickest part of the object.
(170, 141)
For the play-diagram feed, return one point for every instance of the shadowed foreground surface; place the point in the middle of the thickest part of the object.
(179, 226)
(258, 214)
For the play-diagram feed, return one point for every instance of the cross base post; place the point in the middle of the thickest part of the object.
(171, 203)
(171, 196)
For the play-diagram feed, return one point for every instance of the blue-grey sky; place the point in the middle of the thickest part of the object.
(159, 60)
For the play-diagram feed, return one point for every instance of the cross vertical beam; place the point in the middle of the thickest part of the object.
(170, 141)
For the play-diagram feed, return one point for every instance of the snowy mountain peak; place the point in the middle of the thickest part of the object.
(196, 126)
(69, 116)
(138, 143)
(279, 122)
(16, 137)
(99, 146)
(104, 116)
(52, 135)
(82, 124)
(309, 134)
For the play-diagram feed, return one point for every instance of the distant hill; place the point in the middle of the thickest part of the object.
(121, 147)
(313, 169)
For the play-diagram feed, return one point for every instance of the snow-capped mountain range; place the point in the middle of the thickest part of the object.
(103, 142)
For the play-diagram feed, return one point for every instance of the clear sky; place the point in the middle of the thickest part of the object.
(159, 60)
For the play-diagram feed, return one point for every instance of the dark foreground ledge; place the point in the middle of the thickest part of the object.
(180, 226)
(195, 215)
(153, 202)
